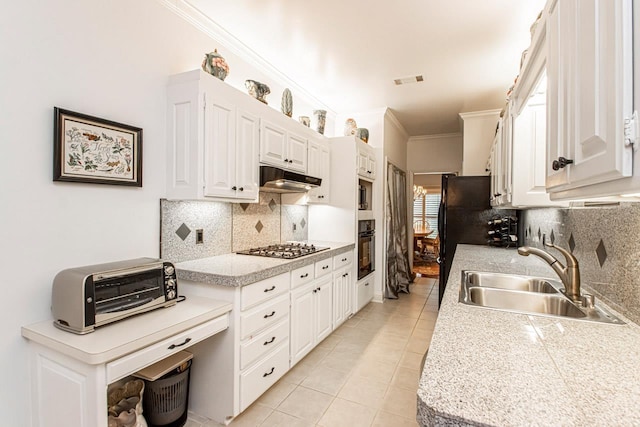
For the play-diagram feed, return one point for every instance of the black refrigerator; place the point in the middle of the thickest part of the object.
(463, 217)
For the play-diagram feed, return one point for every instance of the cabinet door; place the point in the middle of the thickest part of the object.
(296, 152)
(348, 292)
(302, 322)
(507, 146)
(560, 49)
(219, 148)
(371, 160)
(273, 144)
(595, 63)
(324, 312)
(363, 163)
(338, 299)
(247, 142)
(319, 166)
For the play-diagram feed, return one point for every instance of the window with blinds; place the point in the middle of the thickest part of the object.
(425, 211)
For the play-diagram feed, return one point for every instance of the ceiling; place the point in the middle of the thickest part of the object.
(347, 53)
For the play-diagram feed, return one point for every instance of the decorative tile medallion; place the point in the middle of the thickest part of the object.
(572, 243)
(183, 231)
(272, 205)
(259, 226)
(601, 253)
(244, 206)
(303, 223)
(552, 237)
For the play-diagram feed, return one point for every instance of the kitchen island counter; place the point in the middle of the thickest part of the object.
(240, 270)
(489, 367)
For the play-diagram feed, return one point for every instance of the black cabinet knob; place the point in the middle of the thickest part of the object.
(234, 188)
(561, 163)
(241, 188)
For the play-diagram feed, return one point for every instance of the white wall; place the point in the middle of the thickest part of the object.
(478, 131)
(435, 153)
(108, 59)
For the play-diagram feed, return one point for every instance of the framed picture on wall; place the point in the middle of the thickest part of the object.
(94, 150)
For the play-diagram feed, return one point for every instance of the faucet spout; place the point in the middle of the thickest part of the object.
(569, 275)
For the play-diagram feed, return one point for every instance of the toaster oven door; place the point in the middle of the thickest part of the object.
(119, 296)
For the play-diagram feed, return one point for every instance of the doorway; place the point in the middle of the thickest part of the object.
(426, 242)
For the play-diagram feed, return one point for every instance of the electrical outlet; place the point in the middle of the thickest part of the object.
(199, 236)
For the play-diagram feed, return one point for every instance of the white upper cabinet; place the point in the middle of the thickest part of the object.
(320, 167)
(366, 160)
(590, 74)
(213, 137)
(283, 147)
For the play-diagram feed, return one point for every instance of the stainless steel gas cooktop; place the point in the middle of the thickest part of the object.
(284, 250)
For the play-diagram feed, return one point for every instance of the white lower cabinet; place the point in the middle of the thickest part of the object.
(364, 292)
(70, 374)
(342, 295)
(311, 316)
(273, 325)
(257, 379)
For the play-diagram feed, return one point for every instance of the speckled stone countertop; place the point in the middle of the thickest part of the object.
(488, 367)
(240, 270)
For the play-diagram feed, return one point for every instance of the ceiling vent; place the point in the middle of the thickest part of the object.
(407, 80)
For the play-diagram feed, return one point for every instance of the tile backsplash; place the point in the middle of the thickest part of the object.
(227, 227)
(606, 242)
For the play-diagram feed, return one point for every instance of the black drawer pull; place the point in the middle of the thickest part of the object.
(172, 346)
(304, 275)
(269, 373)
(266, 316)
(270, 289)
(270, 341)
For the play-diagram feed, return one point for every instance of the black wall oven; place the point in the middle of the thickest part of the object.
(366, 247)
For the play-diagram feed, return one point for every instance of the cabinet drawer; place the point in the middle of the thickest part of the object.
(265, 342)
(323, 267)
(261, 291)
(365, 293)
(133, 362)
(302, 275)
(263, 316)
(342, 259)
(258, 379)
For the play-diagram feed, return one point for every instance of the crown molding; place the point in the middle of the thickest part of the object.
(435, 136)
(482, 113)
(394, 121)
(202, 22)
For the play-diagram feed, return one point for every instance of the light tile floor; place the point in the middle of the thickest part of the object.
(364, 374)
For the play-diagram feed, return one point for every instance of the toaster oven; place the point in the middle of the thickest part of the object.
(84, 298)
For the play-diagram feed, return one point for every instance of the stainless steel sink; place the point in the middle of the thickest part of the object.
(512, 282)
(526, 295)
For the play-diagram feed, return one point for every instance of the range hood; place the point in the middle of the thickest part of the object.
(276, 180)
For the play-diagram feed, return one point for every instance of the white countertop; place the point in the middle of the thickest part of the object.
(488, 367)
(239, 270)
(117, 339)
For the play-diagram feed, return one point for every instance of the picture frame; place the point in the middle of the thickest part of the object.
(93, 150)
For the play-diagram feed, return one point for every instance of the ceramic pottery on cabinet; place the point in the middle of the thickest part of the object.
(321, 117)
(215, 65)
(363, 134)
(286, 106)
(350, 127)
(257, 90)
(305, 120)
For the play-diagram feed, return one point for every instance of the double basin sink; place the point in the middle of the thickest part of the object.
(526, 295)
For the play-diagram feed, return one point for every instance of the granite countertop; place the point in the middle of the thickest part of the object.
(488, 367)
(240, 270)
